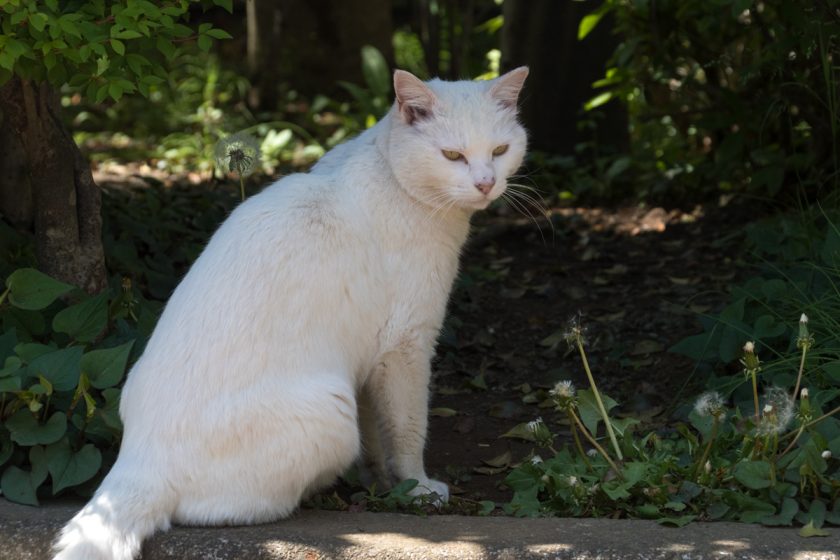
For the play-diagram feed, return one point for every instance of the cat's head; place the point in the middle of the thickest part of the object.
(454, 144)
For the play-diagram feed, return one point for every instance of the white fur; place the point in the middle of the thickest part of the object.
(326, 290)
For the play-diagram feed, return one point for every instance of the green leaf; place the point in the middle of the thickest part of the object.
(810, 531)
(102, 64)
(226, 4)
(61, 367)
(589, 21)
(33, 290)
(69, 26)
(28, 351)
(8, 341)
(219, 33)
(115, 91)
(25, 429)
(590, 415)
(127, 34)
(787, 511)
(83, 321)
(676, 521)
(69, 468)
(166, 47)
(10, 384)
(375, 71)
(118, 46)
(598, 100)
(754, 474)
(520, 431)
(105, 368)
(204, 42)
(523, 477)
(18, 486)
(38, 21)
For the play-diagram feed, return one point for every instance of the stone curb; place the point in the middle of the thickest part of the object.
(26, 533)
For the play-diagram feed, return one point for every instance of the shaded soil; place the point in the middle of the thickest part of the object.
(636, 279)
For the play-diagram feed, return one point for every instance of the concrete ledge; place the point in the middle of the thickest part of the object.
(26, 533)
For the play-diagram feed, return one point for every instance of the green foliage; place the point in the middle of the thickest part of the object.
(62, 363)
(727, 95)
(740, 474)
(104, 48)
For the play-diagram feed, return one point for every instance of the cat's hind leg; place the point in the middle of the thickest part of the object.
(284, 441)
(372, 463)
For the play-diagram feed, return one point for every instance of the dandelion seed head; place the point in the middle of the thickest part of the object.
(575, 332)
(779, 410)
(238, 153)
(710, 403)
(749, 347)
(536, 460)
(563, 389)
(804, 393)
(803, 319)
(534, 425)
(826, 454)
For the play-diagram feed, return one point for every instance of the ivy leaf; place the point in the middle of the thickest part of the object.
(754, 474)
(33, 290)
(69, 468)
(105, 368)
(25, 429)
(786, 513)
(61, 367)
(810, 531)
(83, 321)
(18, 486)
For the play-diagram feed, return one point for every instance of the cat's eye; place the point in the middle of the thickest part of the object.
(452, 155)
(500, 150)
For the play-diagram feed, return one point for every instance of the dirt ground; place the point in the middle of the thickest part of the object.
(637, 280)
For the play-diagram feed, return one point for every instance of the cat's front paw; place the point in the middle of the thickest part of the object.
(435, 489)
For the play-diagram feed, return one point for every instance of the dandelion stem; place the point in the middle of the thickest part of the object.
(792, 443)
(705, 456)
(831, 412)
(577, 441)
(598, 400)
(595, 444)
(801, 369)
(755, 394)
(242, 186)
(3, 295)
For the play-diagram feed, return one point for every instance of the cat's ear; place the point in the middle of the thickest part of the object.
(414, 98)
(506, 88)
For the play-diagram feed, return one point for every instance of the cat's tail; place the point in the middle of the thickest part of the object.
(127, 508)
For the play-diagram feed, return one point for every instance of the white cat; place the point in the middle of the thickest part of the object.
(304, 332)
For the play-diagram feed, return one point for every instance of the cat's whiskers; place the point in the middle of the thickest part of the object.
(524, 202)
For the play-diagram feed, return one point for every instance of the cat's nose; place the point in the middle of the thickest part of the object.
(485, 185)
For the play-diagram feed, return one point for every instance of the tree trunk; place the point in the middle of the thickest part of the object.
(543, 35)
(66, 201)
(15, 188)
(264, 43)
